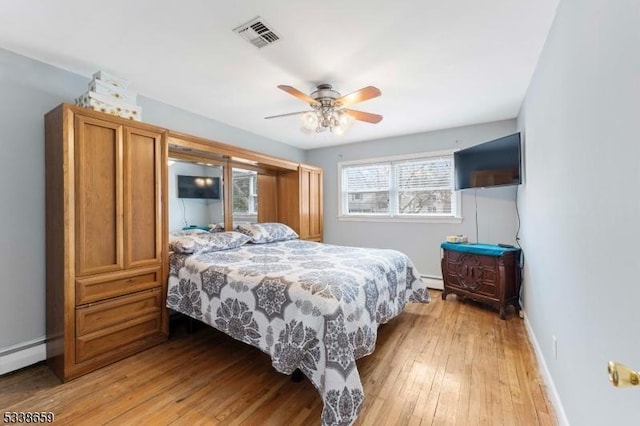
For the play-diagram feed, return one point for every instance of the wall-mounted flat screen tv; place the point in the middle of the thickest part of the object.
(493, 163)
(206, 187)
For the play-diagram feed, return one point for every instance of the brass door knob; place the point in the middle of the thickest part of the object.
(622, 376)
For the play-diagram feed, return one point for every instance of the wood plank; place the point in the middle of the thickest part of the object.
(441, 363)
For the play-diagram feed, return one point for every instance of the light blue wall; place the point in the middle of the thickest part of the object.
(29, 89)
(183, 121)
(580, 206)
(421, 241)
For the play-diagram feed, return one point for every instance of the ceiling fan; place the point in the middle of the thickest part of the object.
(329, 108)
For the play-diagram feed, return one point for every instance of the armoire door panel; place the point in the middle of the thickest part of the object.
(315, 205)
(288, 202)
(98, 196)
(304, 204)
(142, 184)
(267, 198)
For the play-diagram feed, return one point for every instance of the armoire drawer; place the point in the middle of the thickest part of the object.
(116, 284)
(110, 325)
(115, 312)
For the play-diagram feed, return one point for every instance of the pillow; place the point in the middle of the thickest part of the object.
(216, 227)
(267, 232)
(184, 232)
(203, 243)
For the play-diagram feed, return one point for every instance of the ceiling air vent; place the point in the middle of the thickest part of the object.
(257, 32)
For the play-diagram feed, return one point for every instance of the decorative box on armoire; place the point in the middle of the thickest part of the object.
(483, 272)
(105, 233)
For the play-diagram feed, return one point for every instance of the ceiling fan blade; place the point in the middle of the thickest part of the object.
(361, 95)
(364, 116)
(298, 94)
(285, 115)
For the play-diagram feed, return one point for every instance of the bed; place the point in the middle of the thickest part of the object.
(311, 306)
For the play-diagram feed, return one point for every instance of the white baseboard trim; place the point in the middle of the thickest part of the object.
(561, 416)
(433, 282)
(22, 355)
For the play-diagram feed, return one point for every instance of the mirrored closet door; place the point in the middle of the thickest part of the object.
(196, 195)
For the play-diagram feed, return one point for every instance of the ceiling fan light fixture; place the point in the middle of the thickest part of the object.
(320, 120)
(310, 120)
(345, 120)
(340, 123)
(337, 130)
(329, 112)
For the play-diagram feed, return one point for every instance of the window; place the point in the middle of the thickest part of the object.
(367, 188)
(417, 187)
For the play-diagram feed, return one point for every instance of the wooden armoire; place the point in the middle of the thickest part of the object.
(106, 236)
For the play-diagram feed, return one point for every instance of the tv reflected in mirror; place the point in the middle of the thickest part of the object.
(203, 187)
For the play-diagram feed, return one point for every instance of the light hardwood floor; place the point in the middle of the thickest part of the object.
(445, 363)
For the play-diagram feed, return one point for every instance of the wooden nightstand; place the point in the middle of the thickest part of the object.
(483, 272)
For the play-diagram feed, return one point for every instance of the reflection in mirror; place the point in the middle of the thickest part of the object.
(245, 196)
(195, 195)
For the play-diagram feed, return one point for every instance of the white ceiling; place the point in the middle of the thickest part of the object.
(438, 63)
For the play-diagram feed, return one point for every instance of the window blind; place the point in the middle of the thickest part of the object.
(368, 178)
(425, 174)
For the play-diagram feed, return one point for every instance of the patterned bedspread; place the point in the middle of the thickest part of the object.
(311, 306)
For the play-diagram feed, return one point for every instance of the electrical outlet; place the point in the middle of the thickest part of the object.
(555, 347)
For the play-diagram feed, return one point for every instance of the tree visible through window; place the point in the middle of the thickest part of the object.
(407, 187)
(425, 186)
(245, 194)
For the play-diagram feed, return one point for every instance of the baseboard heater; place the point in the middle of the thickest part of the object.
(22, 355)
(433, 282)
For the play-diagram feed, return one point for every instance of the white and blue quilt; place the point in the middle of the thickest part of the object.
(310, 306)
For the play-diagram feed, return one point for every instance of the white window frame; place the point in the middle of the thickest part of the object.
(252, 208)
(454, 217)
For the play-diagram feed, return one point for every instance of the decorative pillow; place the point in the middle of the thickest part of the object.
(267, 232)
(184, 232)
(216, 227)
(202, 243)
